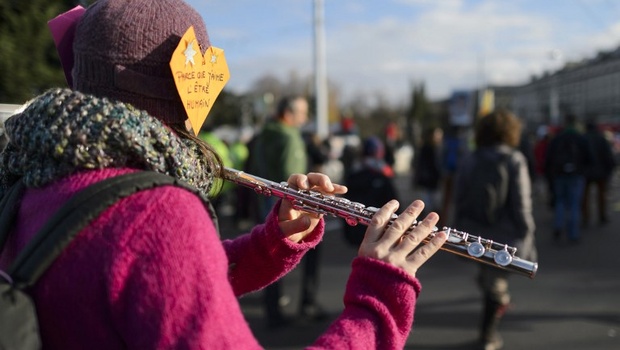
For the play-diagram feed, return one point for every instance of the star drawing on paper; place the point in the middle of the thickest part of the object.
(213, 58)
(189, 53)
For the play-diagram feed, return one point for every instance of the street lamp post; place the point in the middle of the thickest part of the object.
(320, 71)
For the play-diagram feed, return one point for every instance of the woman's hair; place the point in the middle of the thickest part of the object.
(214, 161)
(498, 127)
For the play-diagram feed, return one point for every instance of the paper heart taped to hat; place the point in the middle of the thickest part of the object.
(199, 78)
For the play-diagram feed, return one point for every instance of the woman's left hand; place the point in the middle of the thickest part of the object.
(297, 224)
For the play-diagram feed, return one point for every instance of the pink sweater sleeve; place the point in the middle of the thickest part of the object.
(379, 305)
(265, 255)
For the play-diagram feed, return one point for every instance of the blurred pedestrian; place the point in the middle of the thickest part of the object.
(493, 200)
(278, 151)
(526, 147)
(455, 147)
(238, 152)
(371, 182)
(351, 150)
(568, 156)
(542, 175)
(391, 142)
(597, 174)
(317, 150)
(309, 307)
(221, 189)
(427, 170)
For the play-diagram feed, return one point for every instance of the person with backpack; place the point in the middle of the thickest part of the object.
(151, 272)
(493, 199)
(598, 175)
(568, 156)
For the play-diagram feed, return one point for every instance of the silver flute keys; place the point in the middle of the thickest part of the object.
(461, 243)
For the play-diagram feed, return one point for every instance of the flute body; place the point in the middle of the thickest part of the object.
(461, 243)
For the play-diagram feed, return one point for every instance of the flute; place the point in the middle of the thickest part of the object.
(461, 243)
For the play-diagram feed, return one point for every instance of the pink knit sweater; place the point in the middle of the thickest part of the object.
(152, 273)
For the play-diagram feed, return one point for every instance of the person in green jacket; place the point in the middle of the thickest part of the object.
(220, 147)
(278, 151)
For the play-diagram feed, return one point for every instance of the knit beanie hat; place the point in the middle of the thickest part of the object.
(122, 51)
(373, 147)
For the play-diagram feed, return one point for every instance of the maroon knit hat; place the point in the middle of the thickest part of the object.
(122, 51)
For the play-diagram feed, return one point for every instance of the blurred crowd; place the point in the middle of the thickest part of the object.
(431, 162)
(574, 189)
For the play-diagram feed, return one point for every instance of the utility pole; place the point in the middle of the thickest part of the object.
(554, 96)
(320, 72)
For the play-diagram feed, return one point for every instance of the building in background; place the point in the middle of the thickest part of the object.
(588, 89)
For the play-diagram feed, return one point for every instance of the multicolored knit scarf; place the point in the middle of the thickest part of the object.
(63, 131)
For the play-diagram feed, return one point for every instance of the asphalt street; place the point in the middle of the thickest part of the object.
(573, 303)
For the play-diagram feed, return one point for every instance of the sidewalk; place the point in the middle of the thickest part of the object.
(572, 304)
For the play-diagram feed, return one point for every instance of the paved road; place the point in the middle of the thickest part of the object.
(572, 304)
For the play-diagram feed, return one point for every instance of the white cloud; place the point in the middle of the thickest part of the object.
(448, 44)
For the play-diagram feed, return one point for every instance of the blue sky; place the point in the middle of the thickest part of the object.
(379, 47)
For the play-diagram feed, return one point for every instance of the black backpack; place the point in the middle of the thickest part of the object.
(18, 317)
(486, 192)
(568, 155)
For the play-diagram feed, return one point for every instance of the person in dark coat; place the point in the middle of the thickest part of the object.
(597, 175)
(497, 138)
(427, 169)
(568, 156)
(370, 183)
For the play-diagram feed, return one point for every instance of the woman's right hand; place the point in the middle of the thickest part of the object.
(394, 245)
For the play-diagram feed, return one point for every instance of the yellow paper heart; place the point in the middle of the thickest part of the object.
(199, 79)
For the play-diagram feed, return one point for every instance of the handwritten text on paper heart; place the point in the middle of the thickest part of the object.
(199, 78)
